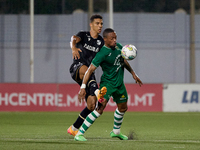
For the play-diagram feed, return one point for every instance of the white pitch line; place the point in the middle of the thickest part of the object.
(104, 139)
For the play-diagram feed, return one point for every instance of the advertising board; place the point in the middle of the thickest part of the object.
(64, 97)
(181, 97)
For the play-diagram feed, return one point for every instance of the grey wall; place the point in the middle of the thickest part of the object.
(162, 41)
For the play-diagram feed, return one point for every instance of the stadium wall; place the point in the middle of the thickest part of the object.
(64, 97)
(162, 41)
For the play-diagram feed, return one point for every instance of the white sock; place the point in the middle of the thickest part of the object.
(74, 129)
(118, 119)
(88, 122)
(116, 131)
(96, 92)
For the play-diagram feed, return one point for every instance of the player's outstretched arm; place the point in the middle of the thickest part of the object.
(135, 76)
(75, 51)
(82, 92)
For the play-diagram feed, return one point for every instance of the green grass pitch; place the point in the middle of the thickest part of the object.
(147, 130)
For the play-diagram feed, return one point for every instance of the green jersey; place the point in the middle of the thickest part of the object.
(111, 63)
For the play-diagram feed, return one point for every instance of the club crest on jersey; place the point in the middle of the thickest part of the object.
(117, 47)
(98, 42)
(89, 38)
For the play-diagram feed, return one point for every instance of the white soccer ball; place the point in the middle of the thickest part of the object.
(129, 52)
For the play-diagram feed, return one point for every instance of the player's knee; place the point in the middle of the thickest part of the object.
(123, 108)
(91, 103)
(91, 107)
(92, 85)
(101, 107)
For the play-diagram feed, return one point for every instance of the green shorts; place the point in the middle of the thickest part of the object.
(119, 94)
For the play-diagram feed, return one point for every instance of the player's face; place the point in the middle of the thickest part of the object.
(97, 25)
(111, 40)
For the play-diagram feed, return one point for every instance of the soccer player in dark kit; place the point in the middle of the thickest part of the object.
(85, 45)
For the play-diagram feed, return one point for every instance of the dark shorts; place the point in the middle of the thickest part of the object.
(74, 71)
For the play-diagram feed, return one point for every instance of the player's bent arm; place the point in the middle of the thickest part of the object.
(75, 51)
(135, 76)
(128, 67)
(88, 73)
(74, 39)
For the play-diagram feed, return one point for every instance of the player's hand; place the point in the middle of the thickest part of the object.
(75, 53)
(81, 95)
(137, 80)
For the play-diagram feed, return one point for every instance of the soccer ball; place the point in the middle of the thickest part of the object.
(129, 52)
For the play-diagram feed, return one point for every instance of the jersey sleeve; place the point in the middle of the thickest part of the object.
(80, 34)
(100, 56)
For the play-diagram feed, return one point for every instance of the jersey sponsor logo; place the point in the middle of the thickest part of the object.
(91, 48)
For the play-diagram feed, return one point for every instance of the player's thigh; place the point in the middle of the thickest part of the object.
(82, 71)
(110, 90)
(74, 71)
(120, 96)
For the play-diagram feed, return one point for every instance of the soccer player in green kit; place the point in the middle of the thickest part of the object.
(112, 63)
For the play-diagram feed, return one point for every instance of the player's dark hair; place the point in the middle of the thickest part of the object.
(96, 16)
(106, 31)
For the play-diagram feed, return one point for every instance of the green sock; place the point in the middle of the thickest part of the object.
(118, 118)
(88, 122)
